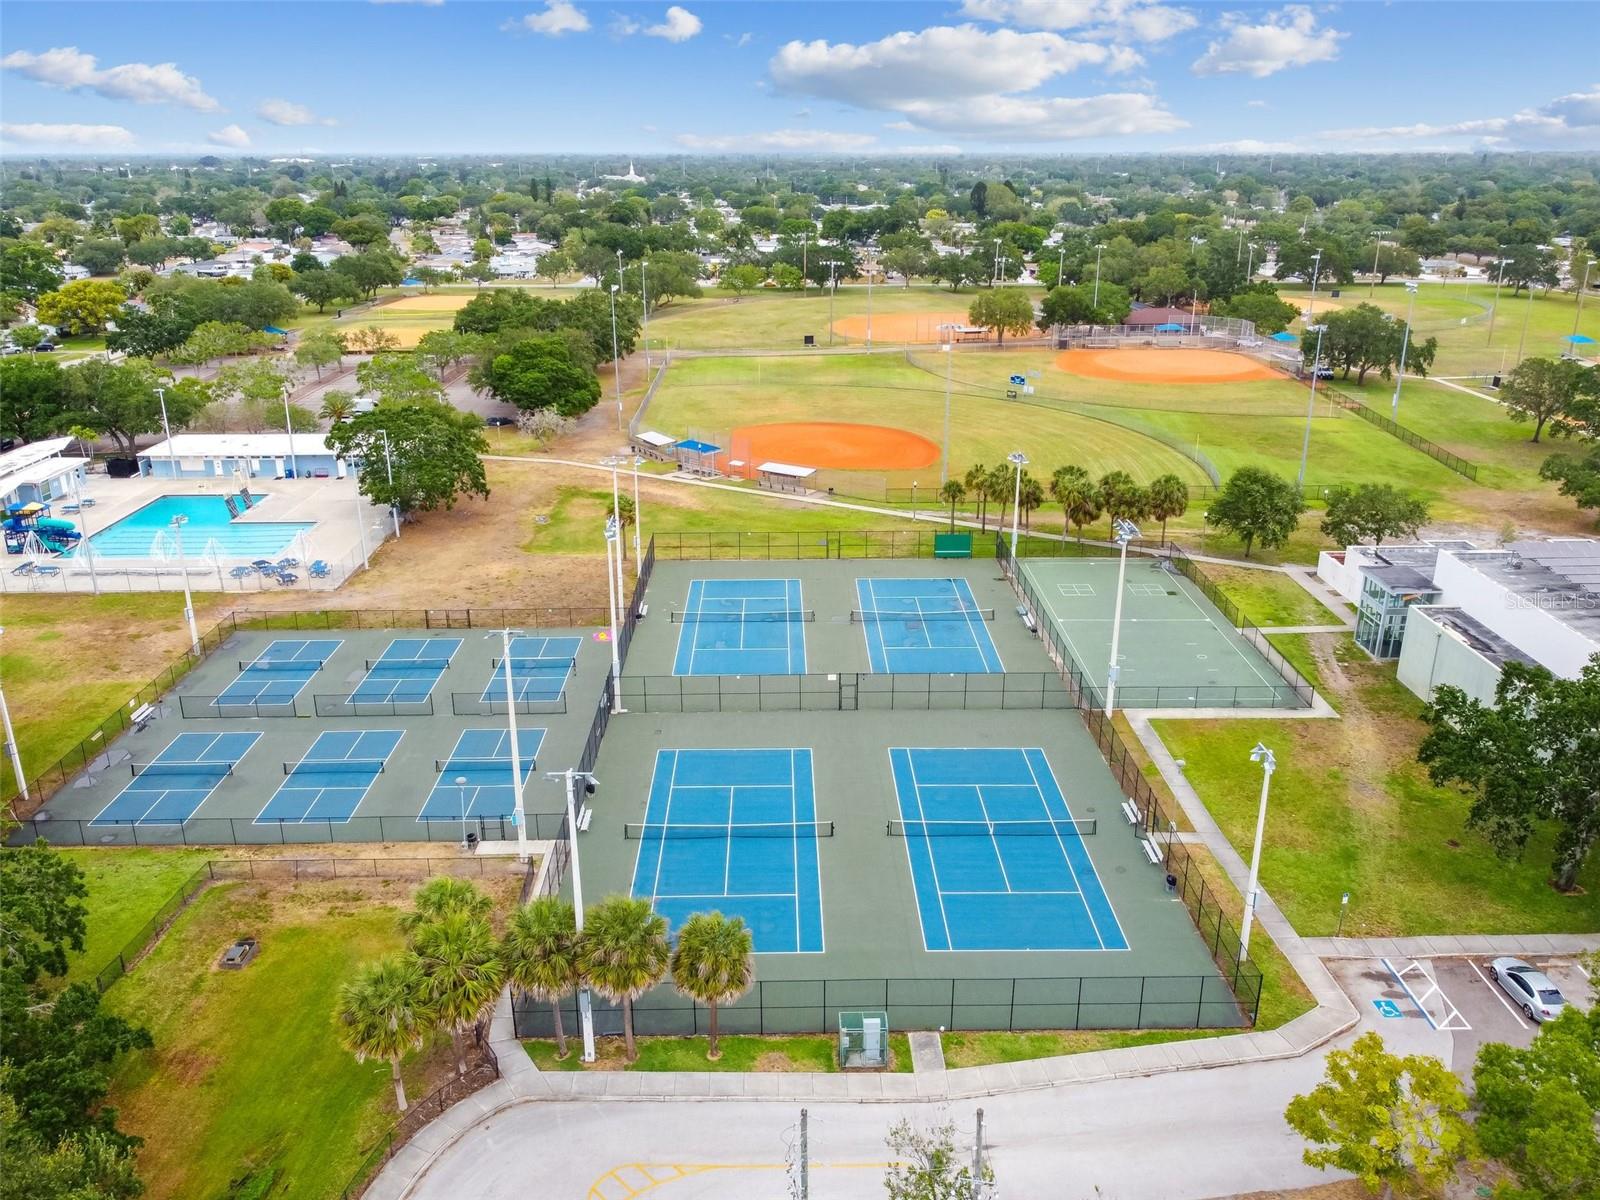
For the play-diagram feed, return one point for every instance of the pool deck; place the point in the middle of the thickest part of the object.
(330, 503)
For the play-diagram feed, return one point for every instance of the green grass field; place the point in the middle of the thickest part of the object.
(800, 1052)
(127, 886)
(1269, 597)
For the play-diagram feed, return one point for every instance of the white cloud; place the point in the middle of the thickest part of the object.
(1247, 146)
(70, 69)
(818, 141)
(1133, 20)
(679, 26)
(229, 135)
(67, 135)
(740, 40)
(1289, 38)
(1256, 104)
(1566, 120)
(939, 63)
(558, 17)
(287, 112)
(1046, 118)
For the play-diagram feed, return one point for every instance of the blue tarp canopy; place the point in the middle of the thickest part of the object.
(1284, 336)
(1579, 339)
(274, 329)
(694, 447)
(1170, 327)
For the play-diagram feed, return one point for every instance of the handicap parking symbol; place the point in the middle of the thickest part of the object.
(1386, 1008)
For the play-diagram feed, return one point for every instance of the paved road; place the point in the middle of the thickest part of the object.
(1193, 1135)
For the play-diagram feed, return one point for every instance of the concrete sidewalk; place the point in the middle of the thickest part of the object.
(1519, 945)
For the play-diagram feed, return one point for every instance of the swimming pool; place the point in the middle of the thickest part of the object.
(208, 521)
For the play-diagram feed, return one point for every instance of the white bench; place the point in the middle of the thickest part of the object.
(142, 716)
(1027, 618)
(584, 817)
(1151, 851)
(1130, 813)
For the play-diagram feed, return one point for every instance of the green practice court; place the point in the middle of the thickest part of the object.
(1176, 650)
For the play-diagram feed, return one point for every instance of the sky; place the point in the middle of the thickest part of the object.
(279, 77)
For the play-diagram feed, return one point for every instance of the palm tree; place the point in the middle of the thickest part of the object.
(463, 973)
(624, 954)
(627, 514)
(1169, 497)
(997, 486)
(1118, 495)
(713, 963)
(383, 1013)
(1077, 495)
(953, 493)
(1032, 497)
(442, 895)
(973, 481)
(338, 406)
(541, 954)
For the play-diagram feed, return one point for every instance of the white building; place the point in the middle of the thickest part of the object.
(241, 455)
(40, 473)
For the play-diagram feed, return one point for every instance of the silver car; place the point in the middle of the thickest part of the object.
(1530, 989)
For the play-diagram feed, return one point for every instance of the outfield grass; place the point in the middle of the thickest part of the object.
(800, 1052)
(247, 1080)
(127, 886)
(1353, 811)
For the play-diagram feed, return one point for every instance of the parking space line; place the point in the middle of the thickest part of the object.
(1451, 1020)
(1498, 994)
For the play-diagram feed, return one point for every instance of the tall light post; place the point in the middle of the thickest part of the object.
(1018, 460)
(638, 519)
(1269, 764)
(833, 287)
(1494, 309)
(1316, 270)
(172, 454)
(614, 546)
(614, 462)
(388, 468)
(1239, 252)
(869, 306)
(616, 359)
(1405, 343)
(1582, 287)
(183, 569)
(1250, 264)
(1377, 248)
(1098, 250)
(1124, 531)
(1061, 264)
(288, 428)
(461, 796)
(519, 814)
(1527, 316)
(11, 744)
(994, 280)
(644, 302)
(1311, 404)
(361, 527)
(569, 779)
(949, 355)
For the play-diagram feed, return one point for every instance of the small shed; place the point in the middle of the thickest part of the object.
(784, 477)
(654, 445)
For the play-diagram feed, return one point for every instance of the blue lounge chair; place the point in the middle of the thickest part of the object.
(265, 567)
(26, 568)
(285, 578)
(49, 570)
(242, 572)
(285, 563)
(320, 570)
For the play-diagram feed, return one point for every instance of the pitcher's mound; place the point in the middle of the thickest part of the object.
(835, 444)
(1178, 365)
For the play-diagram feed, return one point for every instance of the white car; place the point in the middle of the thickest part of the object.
(1530, 989)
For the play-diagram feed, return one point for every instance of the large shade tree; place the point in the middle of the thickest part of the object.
(433, 455)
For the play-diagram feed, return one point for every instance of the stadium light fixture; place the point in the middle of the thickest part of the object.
(1405, 344)
(614, 587)
(519, 816)
(570, 779)
(1311, 404)
(1124, 531)
(1098, 250)
(1018, 460)
(616, 359)
(1269, 764)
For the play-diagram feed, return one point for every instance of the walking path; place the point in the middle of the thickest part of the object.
(1449, 945)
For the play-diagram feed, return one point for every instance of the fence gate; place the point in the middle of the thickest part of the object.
(849, 691)
(448, 618)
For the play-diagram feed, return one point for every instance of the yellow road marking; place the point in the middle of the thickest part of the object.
(634, 1179)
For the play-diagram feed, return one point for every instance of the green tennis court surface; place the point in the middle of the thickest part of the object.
(1176, 649)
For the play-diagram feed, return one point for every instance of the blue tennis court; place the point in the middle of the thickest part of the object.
(997, 861)
(742, 627)
(170, 788)
(540, 667)
(408, 670)
(735, 831)
(925, 626)
(483, 758)
(279, 673)
(330, 782)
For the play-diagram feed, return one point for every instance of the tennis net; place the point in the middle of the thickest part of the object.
(1035, 828)
(209, 770)
(745, 617)
(859, 616)
(636, 831)
(287, 666)
(535, 664)
(451, 766)
(335, 766)
(405, 666)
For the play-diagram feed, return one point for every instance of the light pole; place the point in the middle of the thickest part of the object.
(1494, 309)
(1097, 252)
(614, 462)
(1316, 269)
(833, 286)
(519, 816)
(1526, 317)
(613, 535)
(616, 359)
(570, 778)
(1124, 531)
(1239, 253)
(994, 279)
(1583, 287)
(949, 353)
(869, 306)
(183, 569)
(388, 468)
(1061, 263)
(288, 428)
(644, 301)
(1311, 404)
(361, 528)
(1377, 247)
(638, 519)
(1250, 263)
(913, 499)
(1018, 460)
(1269, 764)
(461, 795)
(172, 455)
(11, 745)
(1405, 343)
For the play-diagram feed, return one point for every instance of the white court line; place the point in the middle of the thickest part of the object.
(988, 820)
(1232, 641)
(666, 820)
(1498, 994)
(933, 865)
(1062, 846)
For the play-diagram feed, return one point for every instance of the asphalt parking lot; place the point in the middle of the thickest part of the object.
(1448, 1007)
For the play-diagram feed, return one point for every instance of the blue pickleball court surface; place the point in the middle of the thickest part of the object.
(735, 831)
(925, 626)
(996, 861)
(407, 671)
(172, 786)
(483, 758)
(279, 673)
(330, 782)
(741, 627)
(540, 667)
